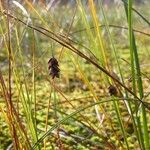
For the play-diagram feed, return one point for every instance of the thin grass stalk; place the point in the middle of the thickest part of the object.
(8, 113)
(135, 60)
(46, 121)
(33, 79)
(137, 12)
(14, 132)
(119, 118)
(98, 33)
(93, 44)
(23, 102)
(69, 29)
(16, 117)
(84, 118)
(96, 99)
(116, 104)
(99, 42)
(120, 71)
(34, 100)
(93, 127)
(110, 26)
(49, 132)
(5, 90)
(26, 102)
(106, 138)
(38, 14)
(58, 139)
(128, 12)
(69, 46)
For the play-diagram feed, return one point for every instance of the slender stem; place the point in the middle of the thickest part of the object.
(9, 83)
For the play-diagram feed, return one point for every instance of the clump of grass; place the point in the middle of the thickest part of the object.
(105, 107)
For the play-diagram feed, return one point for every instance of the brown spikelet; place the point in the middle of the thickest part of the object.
(112, 90)
(53, 67)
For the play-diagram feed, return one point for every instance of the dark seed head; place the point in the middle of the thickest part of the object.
(53, 67)
(112, 90)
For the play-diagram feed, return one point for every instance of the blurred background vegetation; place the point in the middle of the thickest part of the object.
(83, 35)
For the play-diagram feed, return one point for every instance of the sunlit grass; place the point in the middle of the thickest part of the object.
(97, 47)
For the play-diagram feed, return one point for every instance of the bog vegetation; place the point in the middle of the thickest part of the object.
(74, 75)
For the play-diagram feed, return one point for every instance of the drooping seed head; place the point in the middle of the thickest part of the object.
(53, 67)
(112, 90)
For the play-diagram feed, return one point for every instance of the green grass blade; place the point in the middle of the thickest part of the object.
(49, 132)
(137, 74)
